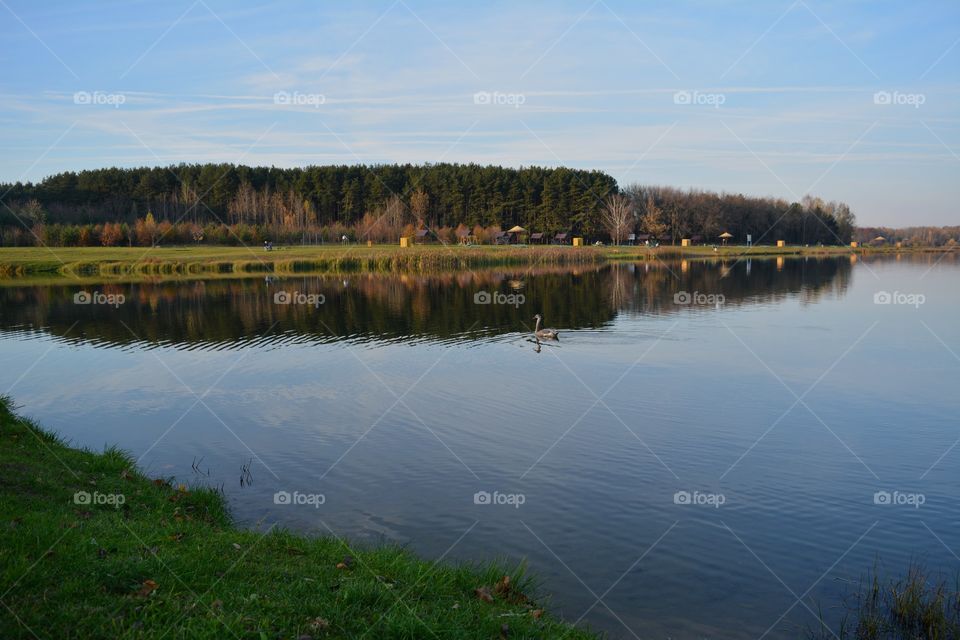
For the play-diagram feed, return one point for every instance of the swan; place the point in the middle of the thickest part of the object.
(545, 334)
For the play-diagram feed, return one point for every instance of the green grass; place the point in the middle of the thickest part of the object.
(169, 564)
(125, 263)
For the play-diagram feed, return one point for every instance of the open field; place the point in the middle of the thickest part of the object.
(160, 559)
(126, 263)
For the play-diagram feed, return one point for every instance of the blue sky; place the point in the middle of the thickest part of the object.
(856, 101)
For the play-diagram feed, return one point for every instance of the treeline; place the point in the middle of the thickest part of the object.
(229, 204)
(441, 195)
(671, 214)
(909, 236)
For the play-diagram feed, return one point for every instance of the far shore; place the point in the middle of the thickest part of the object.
(130, 264)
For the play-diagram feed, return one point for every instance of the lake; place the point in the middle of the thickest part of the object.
(713, 449)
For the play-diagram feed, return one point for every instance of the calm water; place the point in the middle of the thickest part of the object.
(780, 410)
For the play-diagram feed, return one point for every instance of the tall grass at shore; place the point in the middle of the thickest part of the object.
(916, 606)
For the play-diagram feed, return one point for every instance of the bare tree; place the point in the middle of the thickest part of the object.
(617, 216)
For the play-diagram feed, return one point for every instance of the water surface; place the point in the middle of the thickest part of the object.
(782, 390)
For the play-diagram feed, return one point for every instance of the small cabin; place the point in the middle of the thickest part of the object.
(422, 236)
(537, 238)
(561, 238)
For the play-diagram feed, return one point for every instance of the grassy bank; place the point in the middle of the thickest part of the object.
(117, 262)
(124, 263)
(168, 563)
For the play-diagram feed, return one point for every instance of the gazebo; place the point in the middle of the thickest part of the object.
(726, 235)
(515, 233)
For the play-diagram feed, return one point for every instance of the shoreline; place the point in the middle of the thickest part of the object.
(131, 264)
(160, 556)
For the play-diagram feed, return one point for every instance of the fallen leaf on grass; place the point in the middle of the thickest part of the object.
(502, 587)
(148, 587)
(177, 537)
(536, 614)
(318, 624)
(126, 474)
(236, 546)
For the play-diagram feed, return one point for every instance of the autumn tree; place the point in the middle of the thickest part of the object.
(652, 220)
(419, 204)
